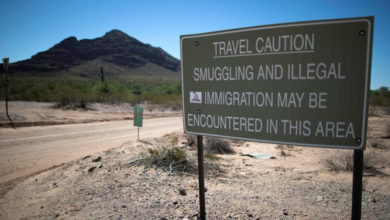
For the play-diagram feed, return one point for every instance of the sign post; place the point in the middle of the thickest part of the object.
(304, 83)
(5, 65)
(202, 197)
(357, 184)
(138, 116)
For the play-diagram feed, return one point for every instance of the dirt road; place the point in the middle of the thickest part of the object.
(29, 150)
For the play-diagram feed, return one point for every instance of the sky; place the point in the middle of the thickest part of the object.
(28, 27)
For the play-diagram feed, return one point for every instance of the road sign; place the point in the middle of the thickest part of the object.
(5, 64)
(138, 116)
(296, 83)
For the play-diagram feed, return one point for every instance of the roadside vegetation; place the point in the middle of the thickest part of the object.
(379, 102)
(172, 160)
(380, 97)
(69, 91)
(175, 155)
(218, 146)
(344, 162)
(155, 90)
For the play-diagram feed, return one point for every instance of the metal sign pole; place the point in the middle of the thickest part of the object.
(138, 135)
(202, 200)
(5, 63)
(357, 184)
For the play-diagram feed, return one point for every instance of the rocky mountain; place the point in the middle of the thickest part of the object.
(116, 51)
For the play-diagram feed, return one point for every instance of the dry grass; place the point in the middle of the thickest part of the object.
(284, 149)
(191, 140)
(344, 162)
(375, 110)
(340, 162)
(172, 160)
(379, 144)
(211, 156)
(218, 146)
(177, 161)
(175, 141)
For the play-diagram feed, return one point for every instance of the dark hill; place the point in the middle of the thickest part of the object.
(116, 51)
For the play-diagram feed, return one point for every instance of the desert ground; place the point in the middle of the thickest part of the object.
(25, 113)
(105, 180)
(31, 149)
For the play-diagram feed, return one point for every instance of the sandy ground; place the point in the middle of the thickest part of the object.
(298, 186)
(294, 185)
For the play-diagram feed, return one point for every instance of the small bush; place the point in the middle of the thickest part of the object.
(175, 141)
(191, 140)
(211, 156)
(374, 110)
(66, 103)
(344, 162)
(380, 97)
(379, 143)
(283, 149)
(80, 105)
(340, 162)
(104, 88)
(386, 133)
(218, 146)
(172, 160)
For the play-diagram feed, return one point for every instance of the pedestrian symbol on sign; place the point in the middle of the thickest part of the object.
(196, 97)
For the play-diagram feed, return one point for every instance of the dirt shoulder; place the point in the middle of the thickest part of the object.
(25, 113)
(28, 150)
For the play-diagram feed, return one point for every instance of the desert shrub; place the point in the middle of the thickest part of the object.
(175, 141)
(137, 90)
(66, 103)
(177, 161)
(380, 97)
(211, 156)
(344, 162)
(374, 110)
(218, 146)
(191, 140)
(81, 105)
(386, 133)
(104, 88)
(340, 162)
(172, 160)
(67, 90)
(379, 144)
(283, 149)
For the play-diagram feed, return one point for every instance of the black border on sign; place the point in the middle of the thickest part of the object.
(369, 20)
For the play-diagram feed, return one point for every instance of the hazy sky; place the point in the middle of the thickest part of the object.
(28, 27)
